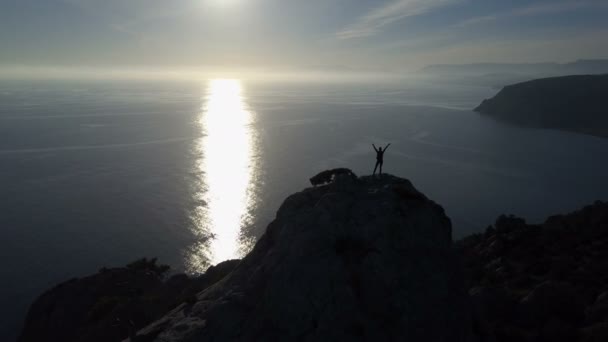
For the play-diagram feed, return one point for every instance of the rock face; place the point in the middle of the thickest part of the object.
(571, 103)
(112, 304)
(544, 282)
(365, 259)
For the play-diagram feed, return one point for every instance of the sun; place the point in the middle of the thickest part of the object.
(225, 3)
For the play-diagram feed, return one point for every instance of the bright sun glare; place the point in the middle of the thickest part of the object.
(226, 165)
(225, 3)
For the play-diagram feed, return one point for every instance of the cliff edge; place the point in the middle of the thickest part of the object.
(365, 259)
(360, 259)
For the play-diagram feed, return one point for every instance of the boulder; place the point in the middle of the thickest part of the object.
(598, 311)
(595, 333)
(552, 301)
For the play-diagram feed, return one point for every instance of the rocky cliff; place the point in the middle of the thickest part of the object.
(114, 303)
(366, 259)
(544, 282)
(571, 103)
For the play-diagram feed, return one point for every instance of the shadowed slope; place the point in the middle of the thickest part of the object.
(365, 259)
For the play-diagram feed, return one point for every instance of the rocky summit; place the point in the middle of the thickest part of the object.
(357, 259)
(366, 259)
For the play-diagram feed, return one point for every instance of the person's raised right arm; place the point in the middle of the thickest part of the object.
(374, 146)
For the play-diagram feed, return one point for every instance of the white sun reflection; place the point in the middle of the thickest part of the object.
(227, 167)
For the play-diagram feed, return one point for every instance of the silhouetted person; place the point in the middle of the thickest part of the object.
(379, 157)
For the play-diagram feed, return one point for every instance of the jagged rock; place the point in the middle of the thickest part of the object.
(595, 333)
(366, 260)
(328, 176)
(598, 311)
(112, 304)
(358, 259)
(556, 330)
(556, 272)
(551, 301)
(491, 307)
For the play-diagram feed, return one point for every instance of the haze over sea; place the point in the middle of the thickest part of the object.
(98, 173)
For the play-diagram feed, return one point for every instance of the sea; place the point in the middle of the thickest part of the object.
(98, 173)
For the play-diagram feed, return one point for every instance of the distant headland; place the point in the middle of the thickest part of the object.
(571, 103)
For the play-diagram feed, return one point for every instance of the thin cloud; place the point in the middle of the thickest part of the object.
(125, 18)
(538, 9)
(552, 8)
(376, 20)
(477, 20)
(565, 46)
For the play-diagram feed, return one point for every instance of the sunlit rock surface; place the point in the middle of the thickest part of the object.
(357, 259)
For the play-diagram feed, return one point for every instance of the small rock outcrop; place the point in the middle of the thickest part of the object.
(571, 103)
(546, 282)
(114, 303)
(329, 176)
(367, 259)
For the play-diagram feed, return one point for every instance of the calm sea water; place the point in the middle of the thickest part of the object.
(101, 173)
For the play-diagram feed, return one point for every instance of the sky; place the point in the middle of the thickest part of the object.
(363, 35)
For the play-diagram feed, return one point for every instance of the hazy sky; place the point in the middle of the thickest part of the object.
(361, 34)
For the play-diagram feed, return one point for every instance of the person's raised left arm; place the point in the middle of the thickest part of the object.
(387, 146)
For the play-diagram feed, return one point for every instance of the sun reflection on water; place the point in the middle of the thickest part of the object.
(227, 166)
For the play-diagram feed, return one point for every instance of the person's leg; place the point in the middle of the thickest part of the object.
(375, 167)
(381, 167)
